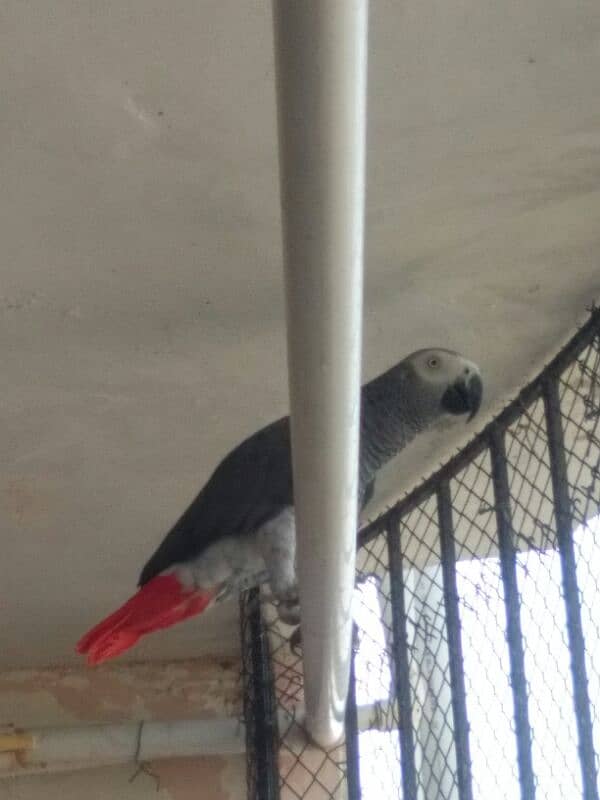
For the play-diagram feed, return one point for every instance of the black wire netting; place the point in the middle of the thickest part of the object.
(476, 662)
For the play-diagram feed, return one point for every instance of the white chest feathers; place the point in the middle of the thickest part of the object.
(234, 563)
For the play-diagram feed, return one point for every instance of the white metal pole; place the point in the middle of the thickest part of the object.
(321, 65)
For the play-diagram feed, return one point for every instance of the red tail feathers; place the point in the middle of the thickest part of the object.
(160, 603)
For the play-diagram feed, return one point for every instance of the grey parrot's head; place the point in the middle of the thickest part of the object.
(446, 382)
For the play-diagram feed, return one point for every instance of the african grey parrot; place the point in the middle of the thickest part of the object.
(240, 531)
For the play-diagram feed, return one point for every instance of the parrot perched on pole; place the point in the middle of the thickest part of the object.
(239, 532)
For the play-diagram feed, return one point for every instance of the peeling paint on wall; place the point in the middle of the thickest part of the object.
(211, 778)
(199, 689)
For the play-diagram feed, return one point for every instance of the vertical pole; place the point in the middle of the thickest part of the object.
(401, 662)
(321, 66)
(260, 711)
(512, 605)
(564, 529)
(455, 656)
(353, 789)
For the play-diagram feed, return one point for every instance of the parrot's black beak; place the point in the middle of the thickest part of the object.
(464, 396)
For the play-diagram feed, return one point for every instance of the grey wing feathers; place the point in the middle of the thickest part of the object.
(251, 485)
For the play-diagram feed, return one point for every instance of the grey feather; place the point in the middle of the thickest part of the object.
(253, 484)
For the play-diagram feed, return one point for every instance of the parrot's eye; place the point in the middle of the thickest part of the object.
(433, 362)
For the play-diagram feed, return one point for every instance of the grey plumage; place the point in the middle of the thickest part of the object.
(240, 531)
(253, 485)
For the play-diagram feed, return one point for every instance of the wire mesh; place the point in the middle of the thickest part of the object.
(476, 668)
(260, 710)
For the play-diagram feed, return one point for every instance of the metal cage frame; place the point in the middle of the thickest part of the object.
(571, 504)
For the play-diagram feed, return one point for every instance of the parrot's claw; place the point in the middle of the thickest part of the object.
(296, 641)
(289, 614)
(289, 607)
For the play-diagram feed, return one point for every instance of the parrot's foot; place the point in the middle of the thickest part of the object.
(295, 641)
(289, 614)
(289, 607)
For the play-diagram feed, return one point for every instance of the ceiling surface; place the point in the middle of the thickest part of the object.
(141, 298)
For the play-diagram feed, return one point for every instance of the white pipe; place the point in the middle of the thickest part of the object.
(321, 58)
(51, 750)
(379, 716)
(82, 747)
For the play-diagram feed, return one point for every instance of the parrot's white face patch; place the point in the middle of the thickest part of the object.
(240, 562)
(441, 367)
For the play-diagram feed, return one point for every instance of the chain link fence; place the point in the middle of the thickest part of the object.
(476, 671)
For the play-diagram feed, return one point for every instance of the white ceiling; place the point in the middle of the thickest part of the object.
(141, 303)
